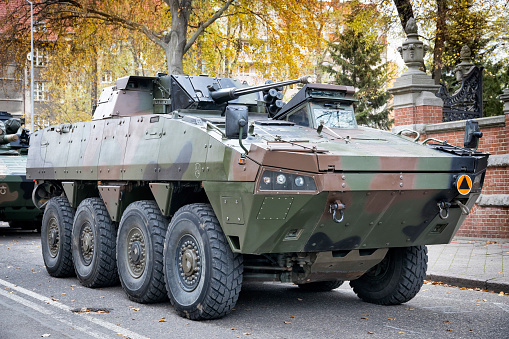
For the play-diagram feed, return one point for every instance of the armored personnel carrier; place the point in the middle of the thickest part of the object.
(16, 205)
(187, 186)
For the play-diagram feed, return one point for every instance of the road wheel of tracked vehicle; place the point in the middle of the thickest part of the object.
(93, 245)
(140, 244)
(56, 237)
(396, 279)
(203, 276)
(321, 286)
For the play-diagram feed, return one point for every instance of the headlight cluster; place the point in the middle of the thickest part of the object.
(278, 181)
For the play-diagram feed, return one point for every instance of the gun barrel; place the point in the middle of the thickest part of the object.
(5, 139)
(226, 94)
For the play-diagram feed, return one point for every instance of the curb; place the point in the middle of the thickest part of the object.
(470, 283)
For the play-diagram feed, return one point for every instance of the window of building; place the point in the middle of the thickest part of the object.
(107, 77)
(39, 91)
(41, 57)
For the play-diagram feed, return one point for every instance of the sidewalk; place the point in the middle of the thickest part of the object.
(471, 263)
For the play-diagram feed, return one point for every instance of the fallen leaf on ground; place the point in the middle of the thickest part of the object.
(391, 318)
(501, 293)
(292, 316)
(162, 321)
(45, 335)
(287, 322)
(364, 318)
(449, 330)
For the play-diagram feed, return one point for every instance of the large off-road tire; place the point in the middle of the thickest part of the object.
(56, 237)
(93, 245)
(321, 286)
(203, 276)
(140, 244)
(396, 279)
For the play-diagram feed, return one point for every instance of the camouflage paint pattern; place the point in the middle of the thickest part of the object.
(15, 189)
(389, 185)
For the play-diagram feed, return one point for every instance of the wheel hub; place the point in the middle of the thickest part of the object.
(136, 256)
(189, 263)
(87, 244)
(53, 237)
(136, 252)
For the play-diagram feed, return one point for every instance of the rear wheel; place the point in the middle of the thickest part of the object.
(56, 237)
(396, 279)
(140, 244)
(93, 245)
(203, 276)
(321, 286)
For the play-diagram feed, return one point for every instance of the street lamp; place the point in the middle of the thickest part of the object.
(31, 66)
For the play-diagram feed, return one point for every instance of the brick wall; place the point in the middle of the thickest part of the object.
(418, 115)
(485, 220)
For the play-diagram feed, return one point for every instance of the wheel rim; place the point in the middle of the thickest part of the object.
(136, 256)
(188, 262)
(87, 243)
(53, 237)
(380, 270)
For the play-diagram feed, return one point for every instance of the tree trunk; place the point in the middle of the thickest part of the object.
(405, 11)
(440, 36)
(176, 40)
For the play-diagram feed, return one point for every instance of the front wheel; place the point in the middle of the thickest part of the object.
(203, 276)
(396, 279)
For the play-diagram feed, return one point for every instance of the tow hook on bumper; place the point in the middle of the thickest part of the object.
(334, 208)
(444, 208)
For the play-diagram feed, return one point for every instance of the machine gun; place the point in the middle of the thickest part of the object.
(226, 94)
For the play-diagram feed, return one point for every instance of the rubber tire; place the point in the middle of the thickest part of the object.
(59, 209)
(220, 279)
(149, 287)
(400, 277)
(321, 286)
(101, 271)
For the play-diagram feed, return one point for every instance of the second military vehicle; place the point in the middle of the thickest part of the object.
(16, 206)
(186, 186)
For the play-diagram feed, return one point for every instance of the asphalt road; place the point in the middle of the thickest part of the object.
(35, 305)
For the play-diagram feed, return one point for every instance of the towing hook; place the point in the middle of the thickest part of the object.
(444, 206)
(334, 208)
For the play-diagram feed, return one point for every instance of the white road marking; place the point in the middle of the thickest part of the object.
(25, 302)
(48, 301)
(402, 329)
(505, 307)
(445, 309)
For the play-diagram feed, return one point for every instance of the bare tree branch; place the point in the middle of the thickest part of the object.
(206, 24)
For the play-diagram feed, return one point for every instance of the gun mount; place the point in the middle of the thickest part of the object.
(226, 94)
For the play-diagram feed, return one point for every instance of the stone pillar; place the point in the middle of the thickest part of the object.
(415, 103)
(505, 99)
(462, 69)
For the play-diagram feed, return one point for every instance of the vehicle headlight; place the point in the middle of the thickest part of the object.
(279, 181)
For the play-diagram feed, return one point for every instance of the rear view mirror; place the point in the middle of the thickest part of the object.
(236, 117)
(472, 134)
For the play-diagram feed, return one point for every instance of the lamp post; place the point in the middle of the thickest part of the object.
(31, 66)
